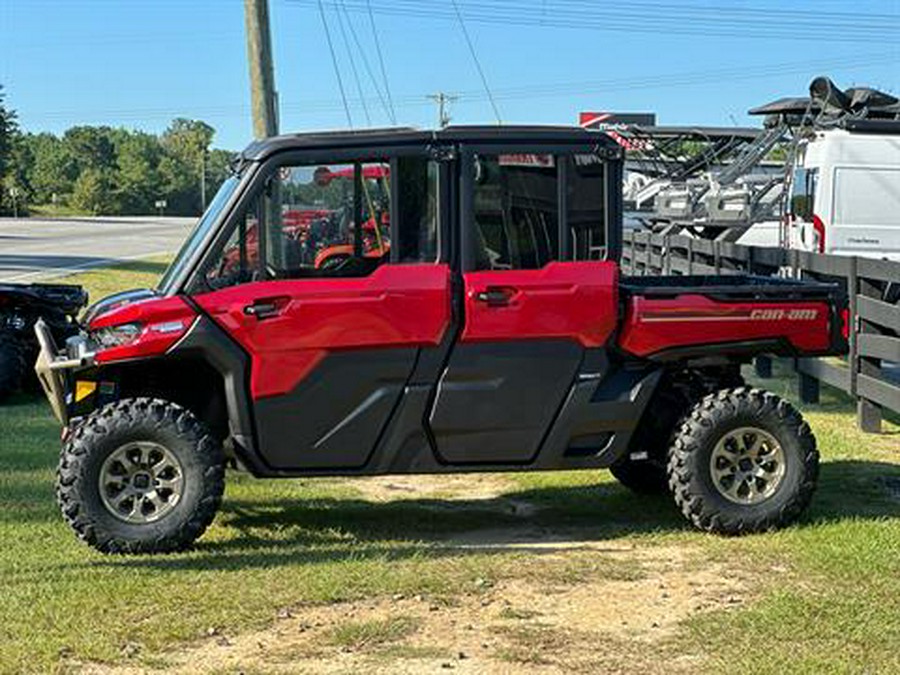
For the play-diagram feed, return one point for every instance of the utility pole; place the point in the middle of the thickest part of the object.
(263, 98)
(264, 102)
(443, 100)
(203, 181)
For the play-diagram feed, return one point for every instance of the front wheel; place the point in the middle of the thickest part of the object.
(140, 476)
(743, 461)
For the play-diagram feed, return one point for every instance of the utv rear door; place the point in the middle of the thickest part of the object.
(538, 293)
(330, 278)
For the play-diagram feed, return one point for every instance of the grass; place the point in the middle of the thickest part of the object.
(143, 273)
(55, 211)
(534, 644)
(373, 632)
(828, 589)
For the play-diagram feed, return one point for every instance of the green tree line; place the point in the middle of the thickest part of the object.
(109, 171)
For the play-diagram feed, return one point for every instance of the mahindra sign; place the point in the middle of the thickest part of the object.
(613, 123)
(611, 120)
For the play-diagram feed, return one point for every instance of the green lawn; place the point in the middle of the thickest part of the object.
(826, 595)
(55, 211)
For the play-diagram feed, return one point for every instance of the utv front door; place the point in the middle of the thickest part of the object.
(331, 281)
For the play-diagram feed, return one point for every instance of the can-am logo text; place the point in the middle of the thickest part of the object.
(778, 314)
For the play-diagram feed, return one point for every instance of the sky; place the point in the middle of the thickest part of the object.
(141, 63)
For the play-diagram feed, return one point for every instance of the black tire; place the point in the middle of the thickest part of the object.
(12, 363)
(30, 383)
(646, 477)
(134, 421)
(709, 422)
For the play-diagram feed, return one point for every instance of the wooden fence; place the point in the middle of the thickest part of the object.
(871, 371)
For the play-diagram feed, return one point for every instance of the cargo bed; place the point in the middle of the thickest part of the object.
(723, 317)
(737, 286)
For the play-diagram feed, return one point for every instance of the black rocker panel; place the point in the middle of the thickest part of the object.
(496, 401)
(335, 416)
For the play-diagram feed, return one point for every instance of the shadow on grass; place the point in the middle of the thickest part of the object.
(289, 532)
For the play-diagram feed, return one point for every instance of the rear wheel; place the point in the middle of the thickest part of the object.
(743, 461)
(12, 363)
(644, 468)
(140, 476)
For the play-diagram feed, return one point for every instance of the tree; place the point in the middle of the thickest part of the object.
(92, 192)
(92, 147)
(53, 170)
(137, 184)
(16, 182)
(112, 171)
(186, 144)
(218, 168)
(9, 130)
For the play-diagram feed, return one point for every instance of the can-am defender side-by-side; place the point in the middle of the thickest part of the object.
(473, 321)
(21, 305)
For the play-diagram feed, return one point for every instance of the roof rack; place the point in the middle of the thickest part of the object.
(827, 106)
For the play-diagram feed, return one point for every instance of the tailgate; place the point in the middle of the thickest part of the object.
(678, 317)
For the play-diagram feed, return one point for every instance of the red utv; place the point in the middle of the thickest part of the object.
(494, 333)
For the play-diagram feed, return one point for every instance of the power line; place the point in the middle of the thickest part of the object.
(718, 22)
(487, 89)
(362, 52)
(747, 72)
(658, 13)
(359, 89)
(334, 62)
(384, 77)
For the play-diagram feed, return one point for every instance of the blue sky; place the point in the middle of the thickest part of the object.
(139, 64)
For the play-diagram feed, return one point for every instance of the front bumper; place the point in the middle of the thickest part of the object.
(54, 368)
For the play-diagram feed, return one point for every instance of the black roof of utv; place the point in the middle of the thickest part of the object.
(522, 134)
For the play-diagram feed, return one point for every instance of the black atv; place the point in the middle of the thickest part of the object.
(21, 305)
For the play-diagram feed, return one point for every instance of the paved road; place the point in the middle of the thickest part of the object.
(33, 249)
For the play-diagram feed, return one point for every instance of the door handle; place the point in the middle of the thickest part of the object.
(495, 296)
(261, 310)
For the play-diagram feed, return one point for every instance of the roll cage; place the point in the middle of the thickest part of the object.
(454, 149)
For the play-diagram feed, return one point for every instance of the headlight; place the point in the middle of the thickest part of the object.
(117, 336)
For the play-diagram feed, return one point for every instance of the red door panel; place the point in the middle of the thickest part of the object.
(571, 300)
(523, 340)
(288, 326)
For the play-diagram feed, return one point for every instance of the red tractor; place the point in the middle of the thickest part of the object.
(491, 332)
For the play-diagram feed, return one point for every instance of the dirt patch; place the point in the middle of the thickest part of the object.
(540, 622)
(441, 486)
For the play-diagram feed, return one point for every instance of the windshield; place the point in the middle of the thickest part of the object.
(201, 229)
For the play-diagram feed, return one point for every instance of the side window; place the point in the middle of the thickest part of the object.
(803, 193)
(586, 206)
(238, 262)
(516, 207)
(333, 220)
(330, 220)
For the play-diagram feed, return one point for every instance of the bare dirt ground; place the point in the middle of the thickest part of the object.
(536, 623)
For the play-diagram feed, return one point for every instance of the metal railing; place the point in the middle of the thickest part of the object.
(870, 372)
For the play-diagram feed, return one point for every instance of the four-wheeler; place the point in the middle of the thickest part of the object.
(493, 334)
(21, 305)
